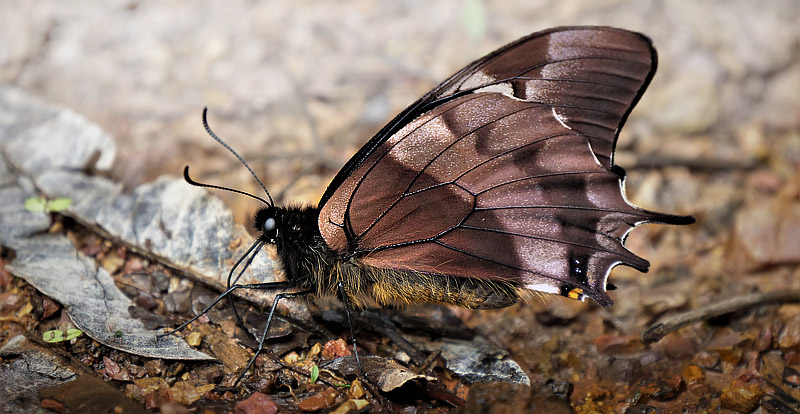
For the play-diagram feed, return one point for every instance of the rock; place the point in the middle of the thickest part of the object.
(742, 397)
(790, 335)
(660, 389)
(729, 346)
(335, 349)
(319, 401)
(350, 406)
(51, 404)
(764, 340)
(154, 367)
(792, 357)
(194, 339)
(707, 360)
(614, 344)
(679, 347)
(692, 375)
(257, 403)
(768, 234)
(356, 390)
(187, 392)
(791, 377)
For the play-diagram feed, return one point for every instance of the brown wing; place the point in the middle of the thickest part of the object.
(505, 171)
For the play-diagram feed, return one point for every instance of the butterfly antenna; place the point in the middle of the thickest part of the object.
(235, 154)
(197, 184)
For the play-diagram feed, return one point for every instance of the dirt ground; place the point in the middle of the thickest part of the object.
(298, 87)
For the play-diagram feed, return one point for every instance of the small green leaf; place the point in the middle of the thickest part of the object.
(72, 333)
(59, 204)
(314, 374)
(53, 336)
(35, 204)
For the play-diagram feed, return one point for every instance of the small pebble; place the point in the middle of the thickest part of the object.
(741, 397)
(764, 340)
(51, 404)
(314, 351)
(319, 401)
(257, 403)
(693, 375)
(707, 360)
(335, 349)
(790, 335)
(194, 339)
(614, 344)
(350, 406)
(679, 347)
(791, 377)
(356, 390)
(154, 367)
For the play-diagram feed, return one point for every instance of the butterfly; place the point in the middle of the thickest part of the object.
(498, 181)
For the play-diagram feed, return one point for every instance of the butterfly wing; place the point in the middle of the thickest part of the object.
(505, 171)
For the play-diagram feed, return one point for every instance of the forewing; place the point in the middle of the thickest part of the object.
(504, 171)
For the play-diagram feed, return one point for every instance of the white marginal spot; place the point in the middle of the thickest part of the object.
(591, 150)
(560, 118)
(543, 287)
(503, 87)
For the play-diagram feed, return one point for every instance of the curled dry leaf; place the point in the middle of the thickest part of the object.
(385, 373)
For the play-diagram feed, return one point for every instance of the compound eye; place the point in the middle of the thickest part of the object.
(269, 225)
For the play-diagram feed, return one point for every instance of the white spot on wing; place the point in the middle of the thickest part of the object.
(503, 87)
(594, 156)
(543, 287)
(561, 119)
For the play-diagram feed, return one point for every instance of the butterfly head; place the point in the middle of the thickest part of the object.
(267, 222)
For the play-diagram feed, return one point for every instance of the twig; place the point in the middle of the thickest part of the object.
(658, 330)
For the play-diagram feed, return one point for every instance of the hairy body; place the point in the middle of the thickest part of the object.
(311, 265)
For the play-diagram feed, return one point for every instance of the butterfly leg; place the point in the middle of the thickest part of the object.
(263, 286)
(254, 247)
(346, 303)
(278, 297)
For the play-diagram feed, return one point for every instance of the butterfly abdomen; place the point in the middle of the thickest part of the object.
(368, 286)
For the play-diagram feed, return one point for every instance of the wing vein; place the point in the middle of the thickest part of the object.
(634, 213)
(548, 239)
